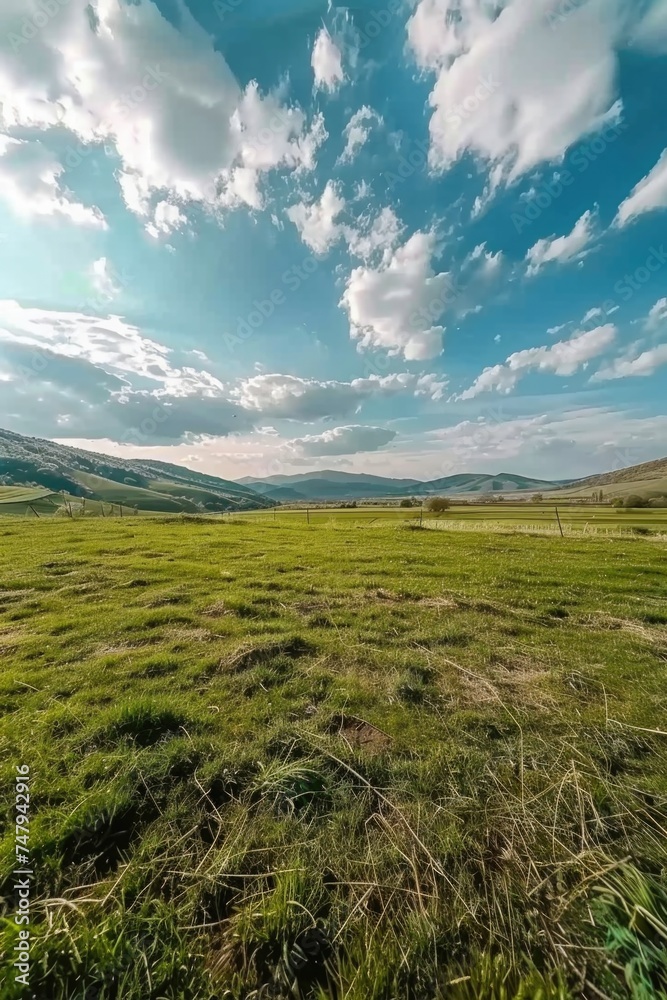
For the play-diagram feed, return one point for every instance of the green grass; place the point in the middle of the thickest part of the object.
(578, 517)
(344, 761)
(11, 495)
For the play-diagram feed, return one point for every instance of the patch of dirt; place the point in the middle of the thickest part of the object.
(359, 734)
(248, 656)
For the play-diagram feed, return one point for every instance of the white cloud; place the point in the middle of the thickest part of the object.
(396, 306)
(166, 218)
(574, 442)
(341, 441)
(30, 182)
(382, 234)
(562, 358)
(657, 315)
(103, 279)
(162, 96)
(646, 196)
(327, 62)
(644, 364)
(563, 249)
(516, 85)
(594, 313)
(293, 398)
(110, 343)
(357, 132)
(651, 34)
(317, 222)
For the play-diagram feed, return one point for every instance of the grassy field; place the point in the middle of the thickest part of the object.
(350, 761)
(581, 517)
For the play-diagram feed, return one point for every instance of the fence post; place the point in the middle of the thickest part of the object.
(421, 516)
(559, 524)
(308, 515)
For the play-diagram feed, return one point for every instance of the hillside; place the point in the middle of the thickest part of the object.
(647, 479)
(504, 482)
(144, 485)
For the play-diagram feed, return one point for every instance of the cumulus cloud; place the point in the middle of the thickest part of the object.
(516, 84)
(160, 95)
(293, 398)
(633, 364)
(396, 305)
(372, 235)
(646, 196)
(357, 132)
(30, 183)
(316, 222)
(327, 62)
(563, 249)
(341, 441)
(562, 358)
(166, 219)
(101, 377)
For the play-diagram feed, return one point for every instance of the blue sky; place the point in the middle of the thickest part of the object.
(408, 237)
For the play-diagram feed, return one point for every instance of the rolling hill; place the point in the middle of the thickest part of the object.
(647, 479)
(329, 485)
(144, 485)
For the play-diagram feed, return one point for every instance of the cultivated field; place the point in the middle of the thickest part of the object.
(339, 760)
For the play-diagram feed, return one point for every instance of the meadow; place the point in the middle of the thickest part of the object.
(335, 761)
(594, 518)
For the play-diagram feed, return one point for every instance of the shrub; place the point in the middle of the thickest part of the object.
(437, 504)
(634, 501)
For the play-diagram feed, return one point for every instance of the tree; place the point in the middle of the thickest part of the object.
(537, 498)
(634, 501)
(617, 502)
(405, 503)
(438, 505)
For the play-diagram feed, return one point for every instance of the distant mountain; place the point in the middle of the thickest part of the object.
(330, 485)
(281, 494)
(147, 485)
(330, 476)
